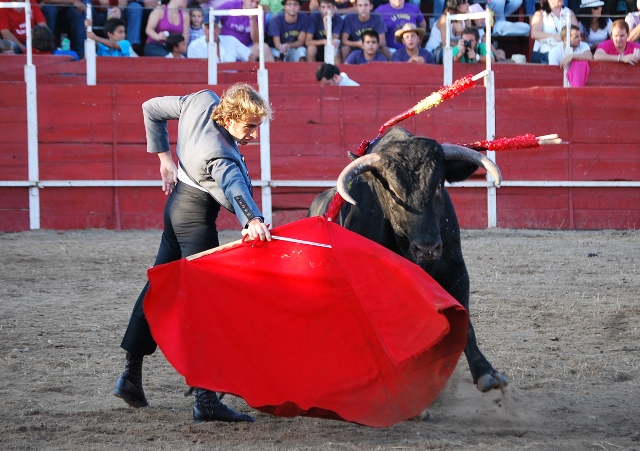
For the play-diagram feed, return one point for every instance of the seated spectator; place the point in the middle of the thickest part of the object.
(343, 6)
(176, 45)
(480, 25)
(369, 52)
(6, 47)
(132, 12)
(579, 50)
(618, 48)
(229, 49)
(330, 75)
(546, 25)
(44, 43)
(289, 31)
(437, 38)
(469, 50)
(116, 44)
(593, 26)
(12, 25)
(396, 14)
(316, 37)
(245, 28)
(171, 18)
(411, 36)
(354, 26)
(196, 16)
(633, 20)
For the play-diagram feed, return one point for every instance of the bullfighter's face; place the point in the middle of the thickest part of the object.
(243, 131)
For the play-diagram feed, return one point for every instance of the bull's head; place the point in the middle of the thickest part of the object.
(408, 176)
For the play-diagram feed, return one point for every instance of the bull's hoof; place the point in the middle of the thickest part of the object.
(492, 380)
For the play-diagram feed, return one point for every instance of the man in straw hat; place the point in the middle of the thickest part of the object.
(411, 36)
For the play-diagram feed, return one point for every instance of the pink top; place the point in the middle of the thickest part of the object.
(610, 49)
(165, 25)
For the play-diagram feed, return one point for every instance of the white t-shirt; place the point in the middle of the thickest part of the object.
(596, 37)
(231, 50)
(346, 81)
(557, 53)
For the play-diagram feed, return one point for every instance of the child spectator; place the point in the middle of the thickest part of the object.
(618, 48)
(369, 51)
(411, 52)
(43, 43)
(354, 26)
(6, 47)
(395, 14)
(330, 75)
(593, 26)
(288, 31)
(316, 37)
(176, 46)
(195, 29)
(229, 49)
(633, 20)
(116, 44)
(12, 25)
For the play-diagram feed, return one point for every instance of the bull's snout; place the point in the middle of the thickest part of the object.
(424, 251)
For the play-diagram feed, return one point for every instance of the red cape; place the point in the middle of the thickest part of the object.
(354, 332)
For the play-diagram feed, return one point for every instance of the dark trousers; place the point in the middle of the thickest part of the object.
(189, 227)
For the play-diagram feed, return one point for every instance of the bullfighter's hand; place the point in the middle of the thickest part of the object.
(168, 172)
(257, 229)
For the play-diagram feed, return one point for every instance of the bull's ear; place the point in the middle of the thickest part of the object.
(352, 156)
(457, 171)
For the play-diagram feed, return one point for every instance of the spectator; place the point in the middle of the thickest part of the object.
(369, 51)
(633, 20)
(501, 26)
(316, 37)
(480, 25)
(43, 43)
(288, 31)
(411, 36)
(330, 75)
(593, 26)
(132, 12)
(6, 47)
(618, 48)
(245, 28)
(395, 14)
(171, 18)
(229, 49)
(116, 44)
(354, 26)
(196, 16)
(546, 25)
(343, 6)
(579, 50)
(271, 8)
(12, 25)
(469, 49)
(437, 38)
(176, 45)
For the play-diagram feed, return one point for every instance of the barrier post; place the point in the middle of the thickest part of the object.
(329, 48)
(265, 129)
(567, 49)
(90, 52)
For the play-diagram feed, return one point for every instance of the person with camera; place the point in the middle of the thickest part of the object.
(469, 49)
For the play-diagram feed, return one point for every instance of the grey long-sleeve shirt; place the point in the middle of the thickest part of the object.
(207, 152)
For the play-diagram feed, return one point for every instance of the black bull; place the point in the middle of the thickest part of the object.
(398, 199)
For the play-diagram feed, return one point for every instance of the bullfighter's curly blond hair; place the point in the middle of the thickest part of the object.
(239, 102)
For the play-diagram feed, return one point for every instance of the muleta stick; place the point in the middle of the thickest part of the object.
(527, 141)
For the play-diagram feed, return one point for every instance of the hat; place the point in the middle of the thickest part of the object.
(407, 28)
(476, 8)
(591, 3)
(518, 59)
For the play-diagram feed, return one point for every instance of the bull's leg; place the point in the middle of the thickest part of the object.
(485, 377)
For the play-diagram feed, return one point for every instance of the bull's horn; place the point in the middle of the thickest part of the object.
(454, 152)
(355, 168)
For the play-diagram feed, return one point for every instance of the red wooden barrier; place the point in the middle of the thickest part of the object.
(96, 133)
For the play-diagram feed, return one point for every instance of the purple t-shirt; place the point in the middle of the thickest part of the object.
(316, 26)
(237, 26)
(610, 48)
(357, 57)
(394, 19)
(288, 32)
(401, 55)
(354, 28)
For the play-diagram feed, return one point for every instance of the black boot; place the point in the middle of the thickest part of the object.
(209, 408)
(129, 385)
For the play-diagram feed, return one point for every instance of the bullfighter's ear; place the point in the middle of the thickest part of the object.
(457, 171)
